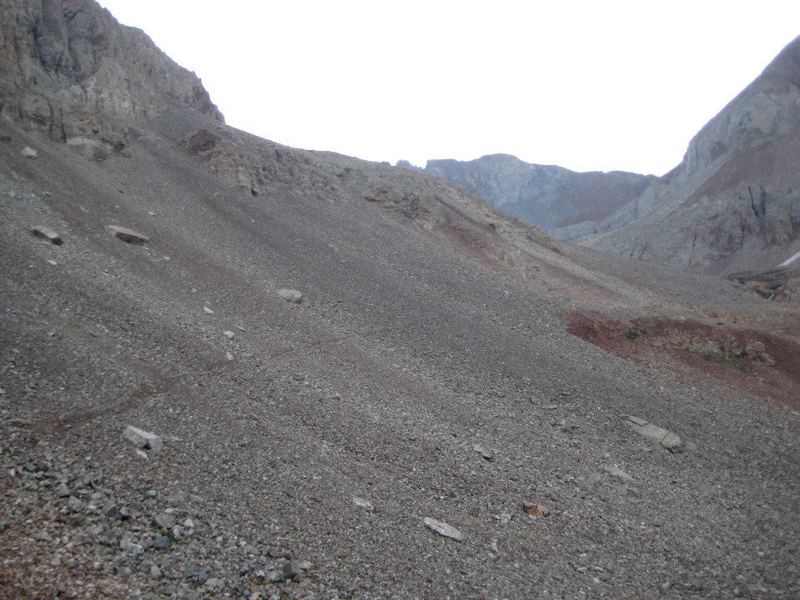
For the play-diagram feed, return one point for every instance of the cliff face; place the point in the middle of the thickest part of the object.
(734, 201)
(67, 67)
(548, 196)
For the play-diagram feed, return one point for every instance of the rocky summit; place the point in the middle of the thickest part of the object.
(252, 371)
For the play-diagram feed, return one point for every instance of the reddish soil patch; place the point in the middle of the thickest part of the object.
(755, 361)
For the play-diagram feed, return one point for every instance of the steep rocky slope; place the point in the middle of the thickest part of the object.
(444, 362)
(547, 196)
(734, 202)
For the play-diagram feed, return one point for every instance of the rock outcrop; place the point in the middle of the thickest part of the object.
(545, 195)
(69, 68)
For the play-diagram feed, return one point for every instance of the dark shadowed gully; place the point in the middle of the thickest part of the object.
(296, 374)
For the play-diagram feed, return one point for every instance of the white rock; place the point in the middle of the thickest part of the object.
(443, 529)
(228, 356)
(228, 334)
(29, 152)
(290, 295)
(666, 438)
(208, 311)
(143, 439)
(361, 503)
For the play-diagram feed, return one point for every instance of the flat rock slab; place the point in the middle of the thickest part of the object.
(128, 235)
(289, 295)
(657, 434)
(48, 234)
(143, 439)
(615, 471)
(443, 529)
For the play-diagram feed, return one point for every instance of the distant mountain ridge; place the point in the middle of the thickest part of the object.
(732, 204)
(545, 195)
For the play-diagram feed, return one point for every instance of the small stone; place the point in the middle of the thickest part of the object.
(48, 234)
(29, 152)
(52, 263)
(188, 523)
(164, 521)
(74, 504)
(568, 426)
(535, 510)
(155, 572)
(484, 452)
(62, 491)
(228, 356)
(42, 536)
(126, 545)
(657, 434)
(143, 439)
(290, 295)
(615, 471)
(505, 518)
(259, 577)
(443, 529)
(214, 583)
(229, 334)
(291, 570)
(361, 503)
(275, 576)
(128, 235)
(208, 311)
(162, 542)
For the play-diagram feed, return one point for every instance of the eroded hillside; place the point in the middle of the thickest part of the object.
(360, 381)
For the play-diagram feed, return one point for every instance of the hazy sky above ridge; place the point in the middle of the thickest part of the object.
(613, 85)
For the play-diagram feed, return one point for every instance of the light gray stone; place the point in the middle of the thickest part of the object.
(44, 232)
(143, 439)
(290, 295)
(443, 529)
(653, 432)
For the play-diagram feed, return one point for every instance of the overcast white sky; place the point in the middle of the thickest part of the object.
(587, 85)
